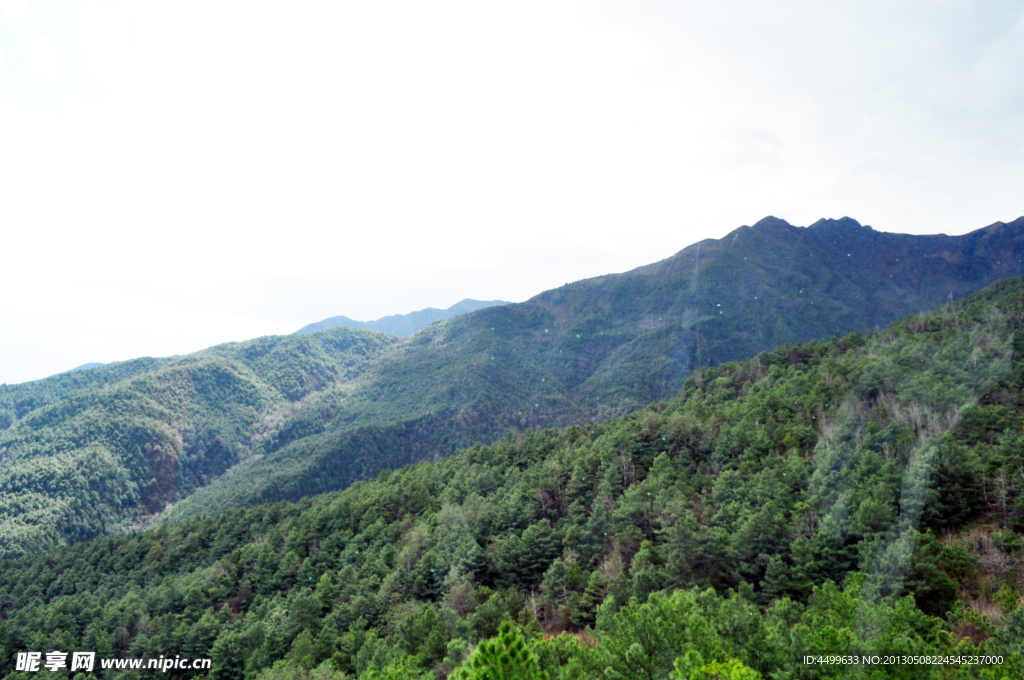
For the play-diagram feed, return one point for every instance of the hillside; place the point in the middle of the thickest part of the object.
(403, 324)
(89, 453)
(588, 351)
(603, 347)
(858, 495)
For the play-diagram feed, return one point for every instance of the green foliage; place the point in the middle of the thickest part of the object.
(286, 670)
(94, 452)
(506, 656)
(691, 667)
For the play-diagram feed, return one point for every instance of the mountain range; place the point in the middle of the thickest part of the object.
(101, 451)
(403, 324)
(787, 517)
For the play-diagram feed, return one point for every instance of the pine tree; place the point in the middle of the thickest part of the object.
(585, 611)
(646, 571)
(505, 657)
(539, 545)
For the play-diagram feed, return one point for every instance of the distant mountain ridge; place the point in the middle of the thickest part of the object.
(757, 287)
(404, 324)
(85, 367)
(288, 416)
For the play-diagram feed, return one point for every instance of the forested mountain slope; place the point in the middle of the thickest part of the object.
(603, 347)
(591, 350)
(404, 324)
(854, 496)
(88, 453)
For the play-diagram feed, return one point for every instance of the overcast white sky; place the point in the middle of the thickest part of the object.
(178, 174)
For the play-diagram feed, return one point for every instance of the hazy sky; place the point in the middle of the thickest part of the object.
(178, 174)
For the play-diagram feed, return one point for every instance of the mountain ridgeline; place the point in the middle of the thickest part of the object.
(286, 417)
(403, 324)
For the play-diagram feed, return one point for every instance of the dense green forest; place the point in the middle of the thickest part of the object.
(90, 453)
(855, 495)
(98, 451)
